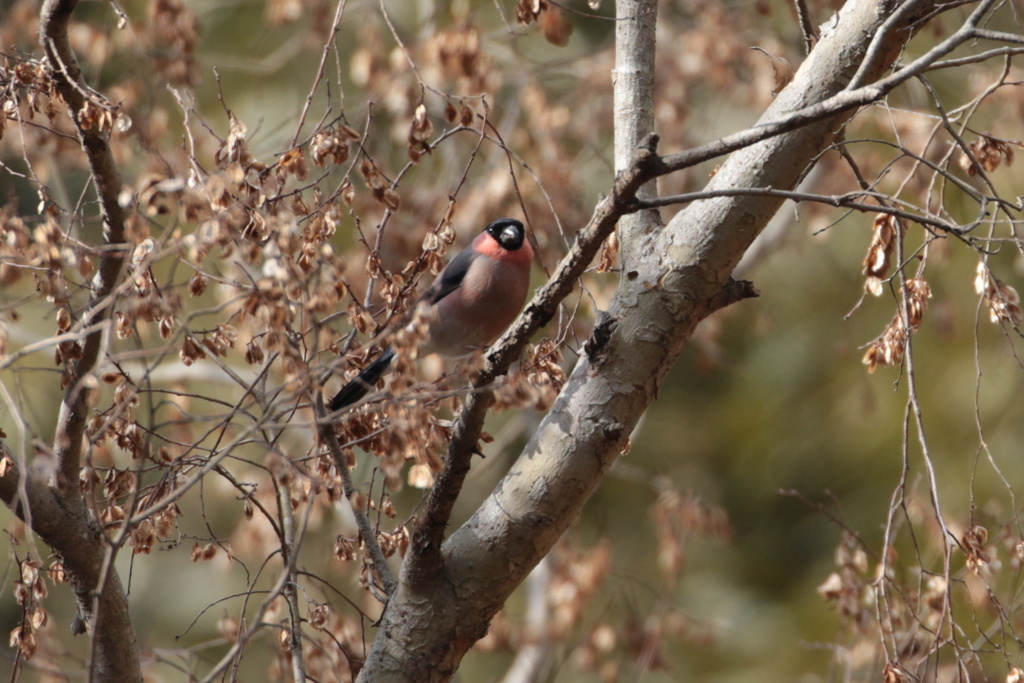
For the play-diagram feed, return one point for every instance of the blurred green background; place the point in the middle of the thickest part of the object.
(769, 417)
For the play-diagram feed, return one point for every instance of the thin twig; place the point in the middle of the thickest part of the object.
(366, 530)
(844, 200)
(289, 550)
(843, 101)
(319, 71)
(804, 17)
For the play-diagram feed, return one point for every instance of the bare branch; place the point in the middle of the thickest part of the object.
(54, 18)
(848, 200)
(806, 27)
(840, 102)
(290, 542)
(328, 44)
(366, 530)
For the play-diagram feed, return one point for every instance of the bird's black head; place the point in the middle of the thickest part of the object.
(508, 232)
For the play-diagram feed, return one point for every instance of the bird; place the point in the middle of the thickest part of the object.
(475, 297)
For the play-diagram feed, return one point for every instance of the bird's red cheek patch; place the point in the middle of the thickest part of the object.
(492, 250)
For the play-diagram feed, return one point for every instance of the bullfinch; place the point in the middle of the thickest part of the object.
(476, 296)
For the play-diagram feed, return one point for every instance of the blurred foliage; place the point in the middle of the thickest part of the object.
(770, 449)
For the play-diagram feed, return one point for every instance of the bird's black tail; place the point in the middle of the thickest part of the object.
(364, 382)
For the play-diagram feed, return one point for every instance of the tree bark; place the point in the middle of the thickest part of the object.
(64, 524)
(633, 96)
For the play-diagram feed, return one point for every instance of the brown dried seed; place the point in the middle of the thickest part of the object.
(63, 319)
(197, 285)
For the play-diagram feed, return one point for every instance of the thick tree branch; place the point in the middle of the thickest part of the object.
(424, 583)
(448, 593)
(62, 521)
(776, 122)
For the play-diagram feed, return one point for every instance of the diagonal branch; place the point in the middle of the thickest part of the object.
(330, 437)
(448, 593)
(426, 543)
(646, 166)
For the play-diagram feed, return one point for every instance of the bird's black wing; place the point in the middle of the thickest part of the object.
(451, 277)
(361, 385)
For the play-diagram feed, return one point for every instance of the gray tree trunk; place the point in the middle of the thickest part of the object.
(672, 279)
